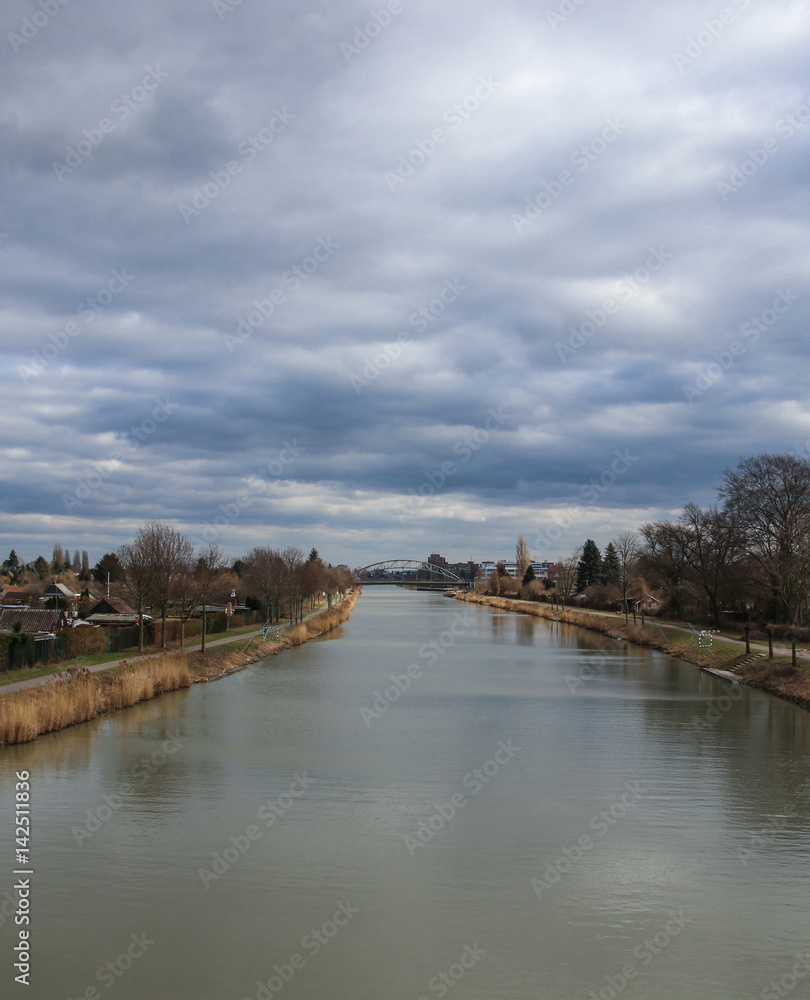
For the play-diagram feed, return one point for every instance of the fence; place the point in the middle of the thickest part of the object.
(26, 650)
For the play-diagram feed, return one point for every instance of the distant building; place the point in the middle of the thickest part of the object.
(12, 595)
(31, 620)
(112, 606)
(60, 590)
(541, 569)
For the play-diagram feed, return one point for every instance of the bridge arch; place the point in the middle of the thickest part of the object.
(406, 570)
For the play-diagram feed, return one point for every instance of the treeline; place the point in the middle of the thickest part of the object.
(62, 561)
(745, 556)
(161, 571)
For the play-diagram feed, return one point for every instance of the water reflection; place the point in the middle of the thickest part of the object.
(626, 800)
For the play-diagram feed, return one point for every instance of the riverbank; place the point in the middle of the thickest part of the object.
(778, 677)
(75, 695)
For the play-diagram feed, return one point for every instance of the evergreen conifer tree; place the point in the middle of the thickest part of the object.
(589, 570)
(611, 567)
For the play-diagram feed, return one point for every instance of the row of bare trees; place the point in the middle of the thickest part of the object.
(161, 571)
(285, 579)
(752, 552)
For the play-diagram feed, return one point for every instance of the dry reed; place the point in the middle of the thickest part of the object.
(71, 697)
(76, 695)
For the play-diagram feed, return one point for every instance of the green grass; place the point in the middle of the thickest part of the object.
(93, 659)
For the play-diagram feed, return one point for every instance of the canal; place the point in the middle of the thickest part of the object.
(435, 800)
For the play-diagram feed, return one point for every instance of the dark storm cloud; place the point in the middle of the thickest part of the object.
(301, 253)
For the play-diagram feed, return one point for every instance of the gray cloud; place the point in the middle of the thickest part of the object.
(354, 244)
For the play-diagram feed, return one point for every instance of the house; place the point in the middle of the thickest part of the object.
(60, 590)
(12, 595)
(112, 606)
(31, 620)
(649, 604)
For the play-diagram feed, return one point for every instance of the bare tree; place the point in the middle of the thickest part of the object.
(567, 574)
(715, 547)
(138, 568)
(627, 548)
(207, 571)
(293, 559)
(264, 572)
(770, 497)
(186, 597)
(171, 553)
(523, 558)
(313, 579)
(494, 583)
(667, 554)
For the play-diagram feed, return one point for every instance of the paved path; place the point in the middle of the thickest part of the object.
(131, 654)
(756, 647)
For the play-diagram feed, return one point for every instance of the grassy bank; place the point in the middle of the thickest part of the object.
(75, 695)
(777, 677)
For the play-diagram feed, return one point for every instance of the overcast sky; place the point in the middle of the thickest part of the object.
(396, 279)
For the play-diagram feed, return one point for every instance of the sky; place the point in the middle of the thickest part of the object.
(396, 279)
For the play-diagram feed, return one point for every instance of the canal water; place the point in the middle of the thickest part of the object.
(437, 800)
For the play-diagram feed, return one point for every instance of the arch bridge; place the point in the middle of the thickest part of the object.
(413, 571)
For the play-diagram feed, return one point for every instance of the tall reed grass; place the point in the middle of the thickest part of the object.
(673, 643)
(75, 695)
